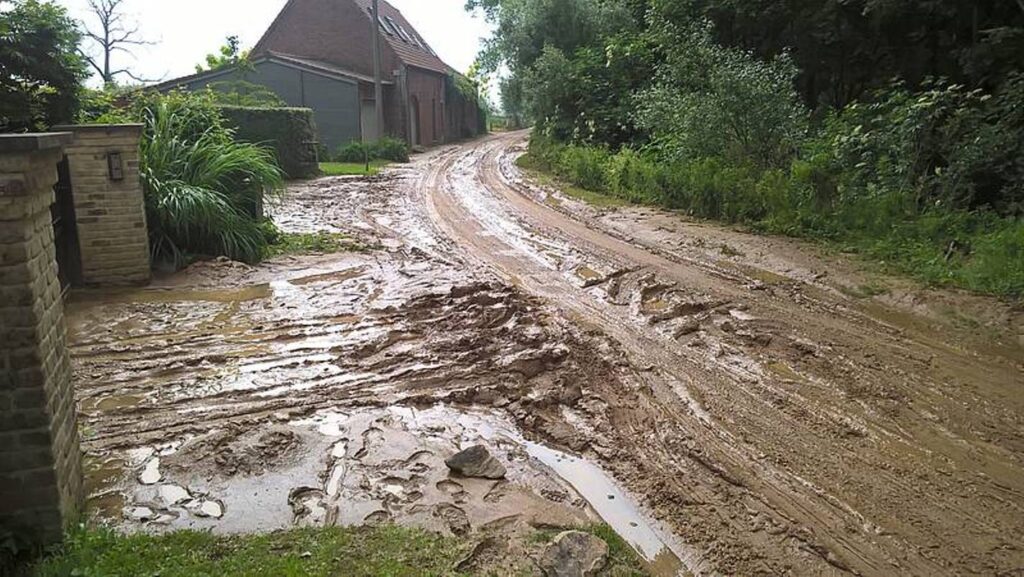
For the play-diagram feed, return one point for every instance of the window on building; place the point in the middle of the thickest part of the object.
(398, 29)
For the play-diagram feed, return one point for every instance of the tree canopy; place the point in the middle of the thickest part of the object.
(41, 71)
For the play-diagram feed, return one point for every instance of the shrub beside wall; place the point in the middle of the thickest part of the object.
(291, 132)
(386, 148)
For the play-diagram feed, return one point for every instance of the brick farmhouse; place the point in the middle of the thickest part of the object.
(318, 54)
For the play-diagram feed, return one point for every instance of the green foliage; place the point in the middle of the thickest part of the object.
(109, 105)
(310, 243)
(243, 93)
(696, 105)
(467, 104)
(230, 54)
(326, 552)
(715, 102)
(41, 69)
(938, 244)
(352, 168)
(289, 132)
(387, 148)
(539, 42)
(847, 49)
(204, 190)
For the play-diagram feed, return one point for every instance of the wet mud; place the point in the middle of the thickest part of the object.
(721, 403)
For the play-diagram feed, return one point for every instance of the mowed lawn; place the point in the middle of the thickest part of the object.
(352, 168)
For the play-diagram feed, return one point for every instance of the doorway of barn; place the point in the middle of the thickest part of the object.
(414, 119)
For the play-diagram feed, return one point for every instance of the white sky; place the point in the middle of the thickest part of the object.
(185, 31)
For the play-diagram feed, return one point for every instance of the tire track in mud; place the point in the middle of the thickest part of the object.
(779, 433)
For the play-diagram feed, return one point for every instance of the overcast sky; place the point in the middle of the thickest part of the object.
(185, 31)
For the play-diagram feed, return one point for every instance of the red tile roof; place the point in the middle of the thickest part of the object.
(327, 31)
(413, 53)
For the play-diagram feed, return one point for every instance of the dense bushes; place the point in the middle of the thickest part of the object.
(710, 101)
(392, 149)
(289, 131)
(203, 189)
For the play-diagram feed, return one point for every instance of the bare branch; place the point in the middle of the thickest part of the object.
(98, 39)
(128, 37)
(114, 36)
(131, 75)
(92, 62)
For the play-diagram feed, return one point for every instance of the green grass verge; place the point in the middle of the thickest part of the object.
(311, 552)
(384, 551)
(312, 243)
(976, 251)
(527, 163)
(352, 168)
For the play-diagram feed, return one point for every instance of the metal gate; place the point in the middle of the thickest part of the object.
(65, 230)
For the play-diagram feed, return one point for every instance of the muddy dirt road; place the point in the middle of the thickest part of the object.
(756, 412)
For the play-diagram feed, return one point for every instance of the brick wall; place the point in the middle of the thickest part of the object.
(428, 88)
(110, 214)
(40, 460)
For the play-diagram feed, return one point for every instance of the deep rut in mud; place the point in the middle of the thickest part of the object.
(768, 423)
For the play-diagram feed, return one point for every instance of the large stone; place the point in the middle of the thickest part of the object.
(574, 554)
(476, 461)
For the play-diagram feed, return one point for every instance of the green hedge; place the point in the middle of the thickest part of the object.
(291, 132)
(386, 148)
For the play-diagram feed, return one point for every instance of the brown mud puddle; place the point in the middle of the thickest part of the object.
(783, 426)
(752, 417)
(329, 390)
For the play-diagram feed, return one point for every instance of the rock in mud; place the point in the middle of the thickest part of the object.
(574, 554)
(477, 462)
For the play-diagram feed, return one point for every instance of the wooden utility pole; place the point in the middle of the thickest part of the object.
(378, 81)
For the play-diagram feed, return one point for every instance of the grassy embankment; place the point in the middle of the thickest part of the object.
(974, 250)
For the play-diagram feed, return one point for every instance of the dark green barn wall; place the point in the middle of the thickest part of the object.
(335, 101)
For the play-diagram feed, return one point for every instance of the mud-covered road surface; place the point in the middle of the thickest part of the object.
(731, 404)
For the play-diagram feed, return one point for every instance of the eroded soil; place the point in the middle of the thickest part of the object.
(730, 404)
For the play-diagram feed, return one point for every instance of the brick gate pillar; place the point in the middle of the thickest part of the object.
(40, 459)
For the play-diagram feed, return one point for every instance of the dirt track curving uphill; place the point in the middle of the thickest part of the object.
(780, 426)
(768, 415)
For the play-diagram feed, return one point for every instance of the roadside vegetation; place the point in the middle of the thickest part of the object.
(309, 552)
(353, 168)
(204, 189)
(386, 149)
(329, 552)
(892, 129)
(364, 158)
(311, 243)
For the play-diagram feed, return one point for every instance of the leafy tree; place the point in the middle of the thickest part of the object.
(577, 58)
(230, 54)
(41, 70)
(710, 101)
(846, 49)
